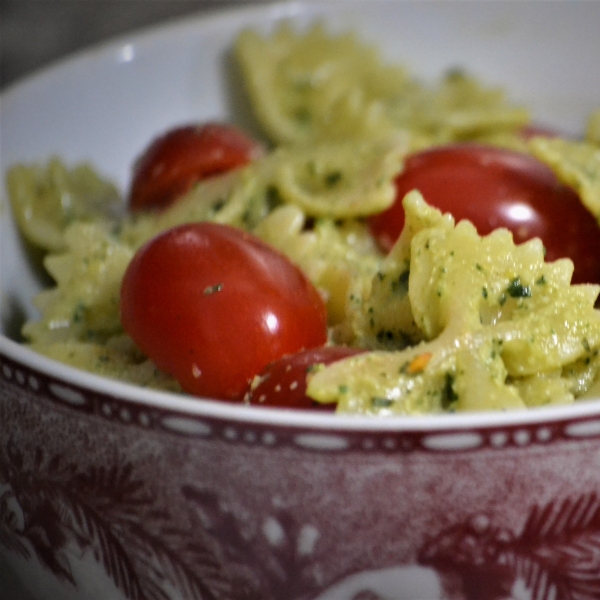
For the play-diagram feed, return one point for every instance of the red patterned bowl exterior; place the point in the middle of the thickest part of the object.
(101, 497)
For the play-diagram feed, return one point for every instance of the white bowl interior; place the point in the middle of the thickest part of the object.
(105, 104)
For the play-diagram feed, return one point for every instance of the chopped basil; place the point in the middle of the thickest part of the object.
(516, 289)
(378, 402)
(333, 178)
(218, 205)
(400, 284)
(449, 396)
(79, 312)
(303, 117)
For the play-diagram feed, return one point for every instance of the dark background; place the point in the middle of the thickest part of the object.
(34, 33)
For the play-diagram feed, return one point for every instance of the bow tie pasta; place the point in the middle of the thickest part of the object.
(496, 327)
(305, 87)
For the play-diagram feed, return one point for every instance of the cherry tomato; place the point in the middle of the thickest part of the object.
(181, 157)
(213, 305)
(283, 382)
(494, 187)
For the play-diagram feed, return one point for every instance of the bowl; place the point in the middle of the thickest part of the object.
(108, 490)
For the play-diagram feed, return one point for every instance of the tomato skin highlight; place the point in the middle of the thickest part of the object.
(184, 155)
(283, 383)
(495, 187)
(212, 305)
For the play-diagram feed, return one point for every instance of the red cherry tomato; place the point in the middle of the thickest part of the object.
(175, 161)
(283, 382)
(213, 305)
(493, 187)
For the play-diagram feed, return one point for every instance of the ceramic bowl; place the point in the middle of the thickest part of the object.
(108, 491)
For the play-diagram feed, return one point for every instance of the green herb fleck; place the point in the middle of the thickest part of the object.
(218, 205)
(333, 178)
(516, 289)
(303, 116)
(385, 335)
(400, 285)
(79, 312)
(378, 402)
(273, 197)
(449, 396)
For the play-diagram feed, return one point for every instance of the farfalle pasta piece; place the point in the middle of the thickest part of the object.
(343, 180)
(592, 133)
(46, 199)
(84, 304)
(312, 85)
(340, 259)
(490, 314)
(575, 163)
(116, 357)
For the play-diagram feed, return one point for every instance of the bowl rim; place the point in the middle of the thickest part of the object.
(186, 405)
(19, 354)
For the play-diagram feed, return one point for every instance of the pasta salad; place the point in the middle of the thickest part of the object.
(340, 262)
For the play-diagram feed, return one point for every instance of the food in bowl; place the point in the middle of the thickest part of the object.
(113, 490)
(438, 315)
